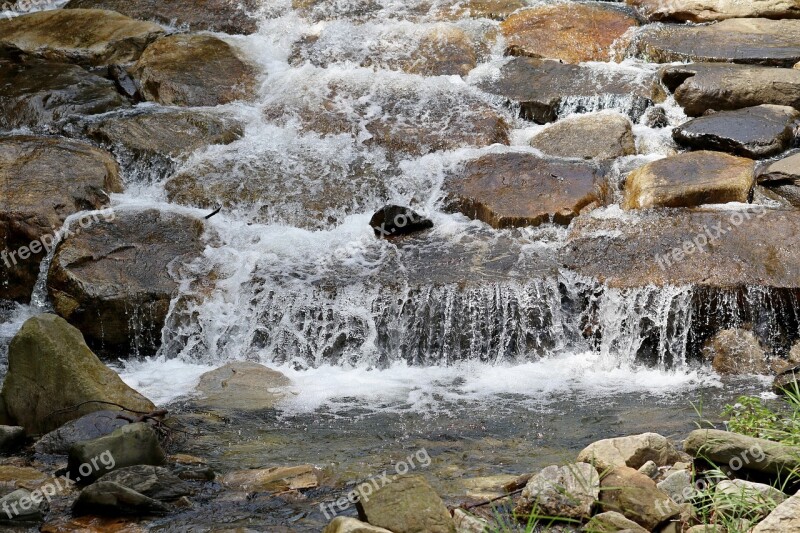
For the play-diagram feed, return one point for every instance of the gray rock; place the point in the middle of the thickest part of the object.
(568, 491)
(738, 452)
(711, 10)
(633, 451)
(784, 518)
(595, 136)
(406, 505)
(87, 427)
(740, 498)
(468, 523)
(108, 498)
(782, 171)
(737, 351)
(611, 522)
(153, 481)
(678, 485)
(11, 438)
(649, 469)
(19, 506)
(242, 385)
(131, 445)
(343, 524)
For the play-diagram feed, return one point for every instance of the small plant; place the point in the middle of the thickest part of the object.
(750, 416)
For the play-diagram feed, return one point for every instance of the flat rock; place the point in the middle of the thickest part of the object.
(131, 445)
(107, 498)
(115, 270)
(87, 427)
(757, 41)
(737, 351)
(277, 479)
(569, 492)
(344, 524)
(224, 16)
(748, 453)
(153, 481)
(242, 385)
(597, 136)
(406, 505)
(21, 477)
(573, 32)
(489, 9)
(612, 522)
(699, 87)
(194, 70)
(690, 179)
(632, 451)
(712, 10)
(753, 132)
(104, 38)
(782, 171)
(542, 88)
(519, 189)
(785, 517)
(635, 496)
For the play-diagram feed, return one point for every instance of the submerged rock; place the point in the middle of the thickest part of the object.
(278, 479)
(636, 496)
(567, 492)
(242, 385)
(596, 136)
(711, 10)
(53, 378)
(153, 481)
(632, 451)
(131, 445)
(394, 220)
(518, 189)
(738, 452)
(108, 498)
(405, 505)
(737, 351)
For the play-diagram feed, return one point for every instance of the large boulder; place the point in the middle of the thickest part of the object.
(53, 378)
(737, 351)
(690, 179)
(130, 445)
(596, 136)
(711, 10)
(636, 496)
(756, 41)
(44, 180)
(754, 132)
(572, 31)
(543, 88)
(785, 517)
(225, 16)
(567, 492)
(740, 452)
(87, 427)
(113, 280)
(520, 189)
(242, 385)
(194, 70)
(632, 451)
(405, 505)
(39, 95)
(86, 36)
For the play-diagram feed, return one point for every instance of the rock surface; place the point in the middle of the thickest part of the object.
(518, 189)
(87, 427)
(785, 517)
(27, 510)
(153, 481)
(277, 479)
(103, 38)
(194, 70)
(782, 171)
(242, 385)
(394, 220)
(344, 524)
(490, 9)
(596, 136)
(406, 505)
(726, 448)
(51, 369)
(131, 445)
(753, 132)
(737, 351)
(711, 10)
(633, 451)
(113, 280)
(690, 179)
(573, 32)
(635, 496)
(569, 492)
(108, 498)
(678, 485)
(612, 522)
(738, 495)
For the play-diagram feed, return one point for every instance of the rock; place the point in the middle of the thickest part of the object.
(242, 385)
(711, 10)
(573, 32)
(92, 524)
(105, 37)
(544, 88)
(786, 382)
(467, 523)
(224, 16)
(678, 485)
(756, 41)
(707, 528)
(87, 427)
(518, 189)
(113, 279)
(343, 524)
(633, 451)
(43, 181)
(131, 445)
(108, 498)
(785, 170)
(21, 477)
(19, 506)
(738, 497)
(153, 481)
(742, 452)
(737, 351)
(406, 505)
(690, 179)
(394, 220)
(443, 51)
(278, 479)
(50, 369)
(612, 522)
(39, 95)
(11, 438)
(489, 9)
(753, 132)
(699, 87)
(785, 517)
(649, 469)
(194, 70)
(597, 136)
(635, 496)
(567, 492)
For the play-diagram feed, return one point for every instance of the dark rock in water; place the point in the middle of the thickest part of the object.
(541, 88)
(656, 117)
(113, 282)
(108, 498)
(753, 132)
(38, 95)
(131, 445)
(749, 41)
(27, 510)
(124, 83)
(224, 16)
(737, 351)
(87, 427)
(153, 481)
(517, 189)
(394, 220)
(11, 438)
(787, 381)
(789, 192)
(699, 87)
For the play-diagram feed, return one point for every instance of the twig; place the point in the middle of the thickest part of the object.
(467, 507)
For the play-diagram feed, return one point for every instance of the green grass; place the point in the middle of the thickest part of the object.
(751, 416)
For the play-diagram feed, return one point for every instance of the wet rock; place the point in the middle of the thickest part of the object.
(105, 37)
(87, 427)
(573, 32)
(131, 445)
(153, 481)
(343, 524)
(406, 505)
(737, 495)
(443, 51)
(748, 453)
(23, 508)
(711, 10)
(737, 351)
(612, 522)
(21, 477)
(656, 117)
(785, 517)
(519, 189)
(194, 70)
(633, 451)
(224, 16)
(542, 88)
(276, 479)
(11, 438)
(108, 498)
(690, 179)
(242, 385)
(635, 496)
(39, 95)
(569, 492)
(787, 381)
(784, 170)
(678, 485)
(113, 279)
(757, 41)
(699, 87)
(467, 523)
(754, 132)
(490, 9)
(394, 220)
(597, 136)
(92, 524)
(52, 370)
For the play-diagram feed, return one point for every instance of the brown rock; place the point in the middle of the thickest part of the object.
(784, 170)
(711, 10)
(597, 136)
(405, 505)
(567, 492)
(278, 479)
(635, 496)
(633, 451)
(737, 351)
(490, 9)
(242, 386)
